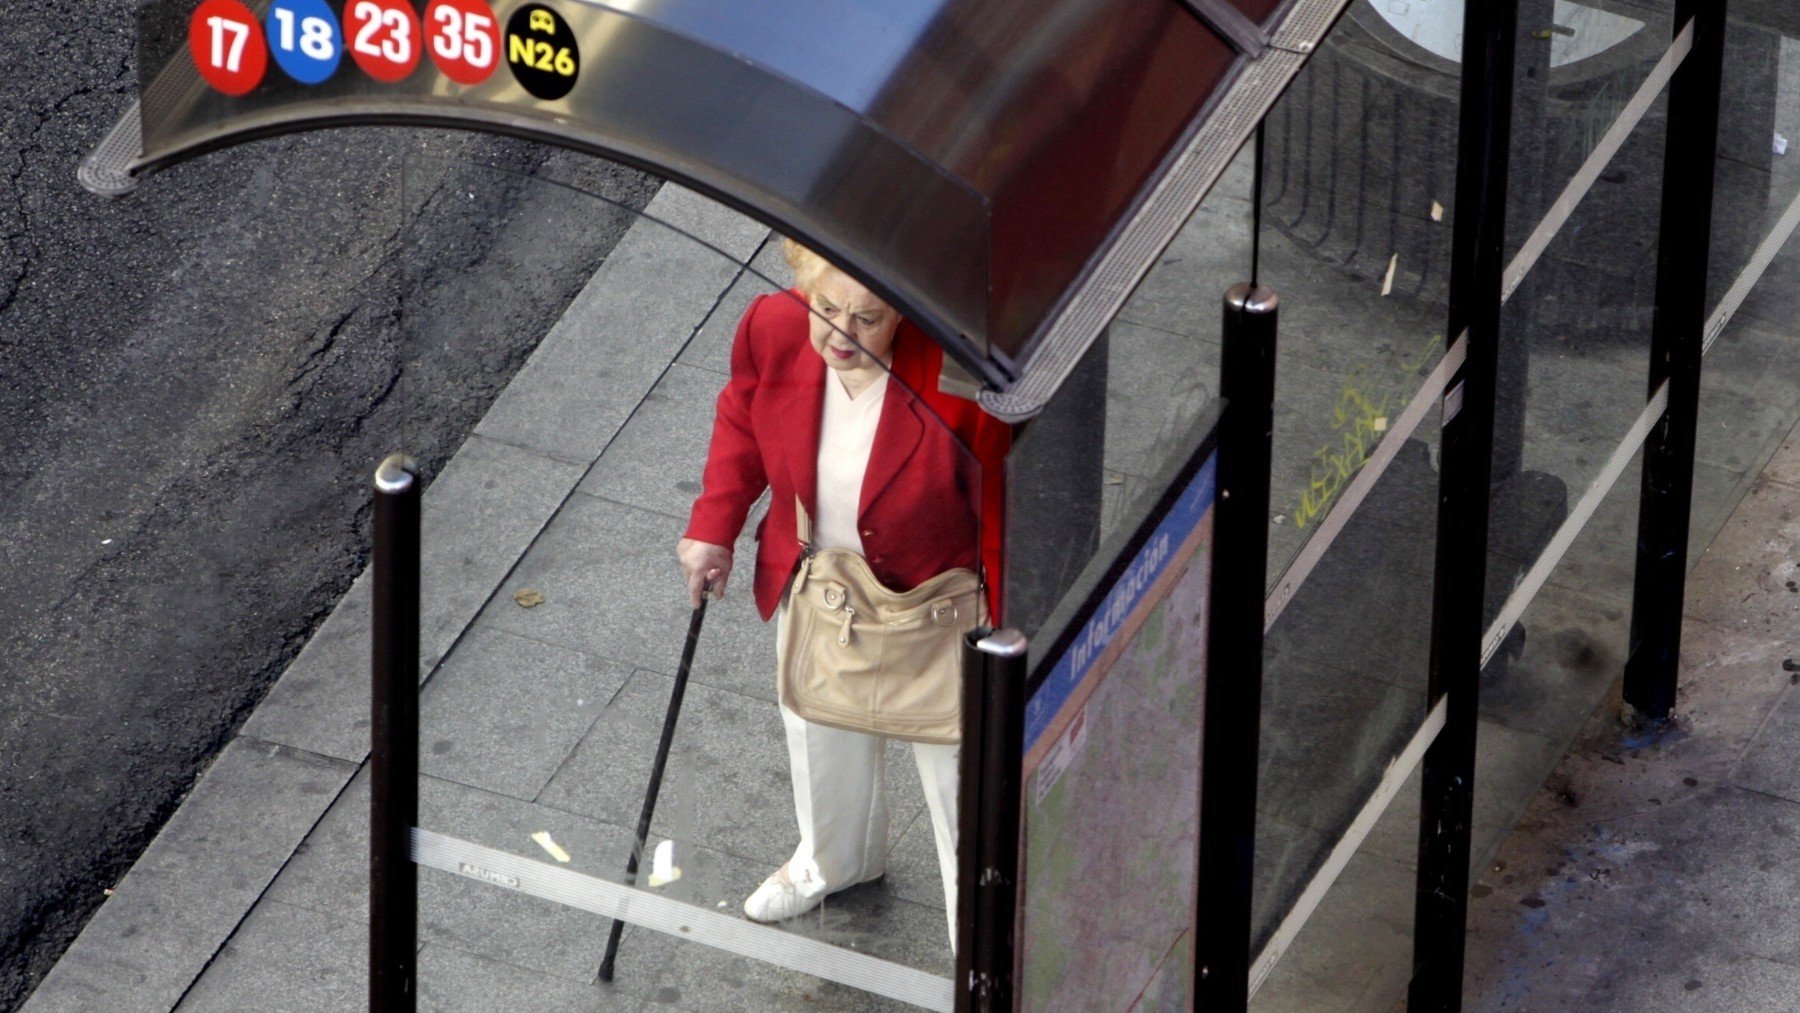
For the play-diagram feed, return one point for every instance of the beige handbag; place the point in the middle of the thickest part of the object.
(858, 656)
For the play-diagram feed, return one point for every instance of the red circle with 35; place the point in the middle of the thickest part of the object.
(464, 39)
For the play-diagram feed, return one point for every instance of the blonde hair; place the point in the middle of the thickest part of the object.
(808, 266)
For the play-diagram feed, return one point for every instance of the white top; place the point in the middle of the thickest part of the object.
(846, 435)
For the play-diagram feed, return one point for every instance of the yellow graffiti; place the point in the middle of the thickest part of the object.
(1417, 366)
(1359, 422)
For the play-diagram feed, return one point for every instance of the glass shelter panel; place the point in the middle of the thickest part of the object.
(1359, 208)
(1749, 397)
(676, 364)
(1123, 418)
(1574, 361)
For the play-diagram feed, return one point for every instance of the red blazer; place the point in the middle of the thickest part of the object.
(926, 503)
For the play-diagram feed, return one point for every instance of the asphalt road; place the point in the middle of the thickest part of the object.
(196, 382)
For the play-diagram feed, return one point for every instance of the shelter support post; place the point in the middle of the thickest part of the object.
(1234, 646)
(1477, 259)
(1653, 657)
(987, 894)
(394, 756)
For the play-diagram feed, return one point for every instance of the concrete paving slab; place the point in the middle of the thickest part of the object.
(1755, 359)
(1157, 382)
(592, 550)
(1646, 830)
(1702, 979)
(450, 979)
(503, 713)
(1510, 767)
(536, 935)
(1316, 767)
(1717, 493)
(733, 233)
(286, 959)
(1332, 322)
(912, 865)
(1208, 256)
(1574, 650)
(1580, 403)
(1286, 854)
(1602, 561)
(656, 461)
(1740, 433)
(1355, 953)
(658, 970)
(1687, 885)
(635, 315)
(190, 889)
(1361, 610)
(1784, 467)
(727, 785)
(711, 348)
(497, 499)
(1743, 579)
(330, 876)
(321, 703)
(1323, 432)
(1612, 773)
(1772, 763)
(478, 518)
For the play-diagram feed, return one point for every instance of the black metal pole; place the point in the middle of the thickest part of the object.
(394, 754)
(987, 894)
(1653, 658)
(656, 776)
(1477, 259)
(1234, 649)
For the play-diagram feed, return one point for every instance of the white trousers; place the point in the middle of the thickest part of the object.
(840, 802)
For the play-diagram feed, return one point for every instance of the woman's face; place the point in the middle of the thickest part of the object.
(843, 307)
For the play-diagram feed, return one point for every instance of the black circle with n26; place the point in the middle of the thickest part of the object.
(542, 52)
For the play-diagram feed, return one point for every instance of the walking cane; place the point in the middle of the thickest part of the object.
(656, 774)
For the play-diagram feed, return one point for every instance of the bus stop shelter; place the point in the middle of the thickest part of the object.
(1012, 180)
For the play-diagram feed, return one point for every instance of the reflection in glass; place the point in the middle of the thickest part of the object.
(555, 610)
(1078, 470)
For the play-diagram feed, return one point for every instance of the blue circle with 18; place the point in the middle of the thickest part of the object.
(305, 39)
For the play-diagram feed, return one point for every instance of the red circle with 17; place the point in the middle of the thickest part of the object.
(383, 36)
(464, 39)
(228, 47)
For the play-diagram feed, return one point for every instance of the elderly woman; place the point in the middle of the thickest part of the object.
(838, 409)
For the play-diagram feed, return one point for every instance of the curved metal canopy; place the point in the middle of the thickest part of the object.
(1001, 172)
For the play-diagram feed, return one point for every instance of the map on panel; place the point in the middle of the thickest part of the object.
(1111, 788)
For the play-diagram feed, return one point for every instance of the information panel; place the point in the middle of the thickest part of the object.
(1112, 761)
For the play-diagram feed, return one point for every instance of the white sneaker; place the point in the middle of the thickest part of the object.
(777, 899)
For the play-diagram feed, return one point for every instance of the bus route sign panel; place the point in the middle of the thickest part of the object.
(257, 65)
(1111, 800)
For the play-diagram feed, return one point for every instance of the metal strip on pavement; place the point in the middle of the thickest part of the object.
(683, 921)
